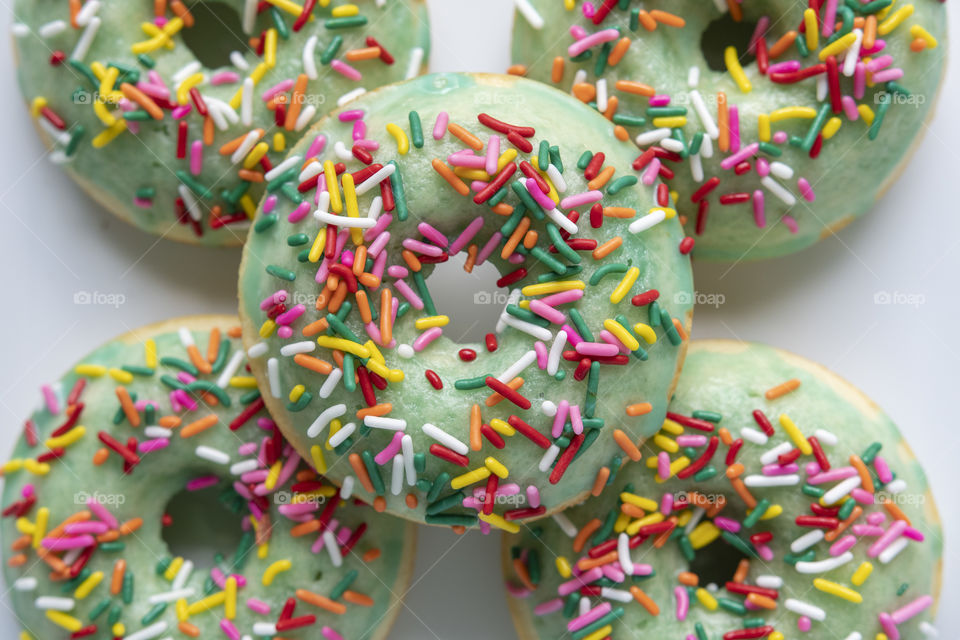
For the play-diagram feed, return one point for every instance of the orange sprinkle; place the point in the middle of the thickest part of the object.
(522, 574)
(471, 260)
(620, 133)
(586, 563)
(371, 555)
(619, 50)
(361, 470)
(735, 11)
(639, 409)
(743, 569)
(369, 280)
(619, 212)
(668, 19)
(305, 528)
(514, 240)
(600, 481)
(213, 345)
(632, 510)
(662, 539)
(363, 305)
(411, 501)
(228, 148)
(465, 136)
(129, 410)
(688, 578)
(320, 601)
(530, 239)
(785, 42)
(918, 44)
(644, 600)
(556, 71)
(75, 6)
(199, 426)
(361, 599)
(198, 360)
(502, 209)
(625, 443)
(359, 260)
(366, 53)
(584, 91)
(182, 12)
(476, 441)
(17, 560)
(894, 510)
(130, 526)
(101, 456)
(602, 178)
(116, 581)
(413, 262)
(386, 316)
(135, 95)
(188, 629)
(743, 492)
(315, 328)
(313, 364)
(612, 104)
(723, 122)
(495, 398)
(338, 297)
(866, 482)
(782, 389)
(585, 532)
(869, 32)
(209, 131)
(637, 88)
(835, 533)
(517, 70)
(379, 504)
(725, 436)
(380, 410)
(647, 20)
(680, 328)
(735, 470)
(21, 543)
(459, 185)
(109, 536)
(763, 602)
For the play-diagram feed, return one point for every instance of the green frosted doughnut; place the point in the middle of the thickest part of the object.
(62, 463)
(294, 320)
(722, 385)
(848, 169)
(130, 162)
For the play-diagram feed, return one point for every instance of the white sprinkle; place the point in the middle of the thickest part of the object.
(374, 181)
(698, 513)
(216, 114)
(540, 333)
(257, 350)
(53, 603)
(518, 367)
(623, 553)
(396, 475)
(754, 435)
(529, 13)
(556, 351)
(341, 150)
(855, 635)
(383, 422)
(413, 66)
(778, 190)
(406, 445)
(332, 548)
(556, 178)
(893, 550)
(233, 365)
(343, 221)
(292, 349)
(781, 170)
(250, 16)
(672, 144)
(565, 525)
(330, 383)
(244, 466)
(563, 221)
(693, 76)
(267, 629)
(309, 61)
(700, 107)
(186, 338)
(445, 438)
(350, 95)
(189, 201)
(246, 102)
(838, 492)
(182, 575)
(549, 457)
(322, 420)
(770, 455)
(52, 28)
(26, 583)
(405, 351)
(602, 95)
(806, 541)
(548, 408)
(853, 54)
(805, 609)
(213, 455)
(148, 633)
(826, 437)
(822, 87)
(655, 217)
(706, 149)
(822, 566)
(512, 298)
(696, 167)
(86, 40)
(310, 171)
(928, 630)
(249, 141)
(186, 71)
(273, 376)
(154, 431)
(170, 596)
(282, 168)
(20, 30)
(87, 12)
(342, 434)
(652, 137)
(772, 481)
(346, 487)
(237, 60)
(769, 582)
(896, 486)
(618, 595)
(376, 206)
(305, 117)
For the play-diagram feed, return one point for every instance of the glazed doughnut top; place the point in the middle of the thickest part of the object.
(346, 330)
(776, 122)
(168, 415)
(777, 501)
(172, 114)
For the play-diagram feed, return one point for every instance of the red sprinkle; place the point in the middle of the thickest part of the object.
(645, 298)
(434, 379)
(508, 393)
(763, 422)
(532, 434)
(491, 342)
(450, 456)
(467, 355)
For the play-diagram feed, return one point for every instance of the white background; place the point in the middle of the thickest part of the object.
(56, 242)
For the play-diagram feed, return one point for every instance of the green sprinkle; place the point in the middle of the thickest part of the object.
(331, 51)
(543, 155)
(209, 387)
(882, 109)
(265, 222)
(280, 272)
(621, 183)
(154, 613)
(754, 517)
(709, 416)
(453, 520)
(416, 130)
(628, 120)
(441, 481)
(737, 542)
(126, 591)
(193, 184)
(75, 138)
(345, 23)
(555, 158)
(177, 363)
(146, 61)
(280, 23)
(447, 502)
(584, 160)
(340, 588)
(871, 452)
(399, 196)
(373, 470)
(816, 125)
(98, 610)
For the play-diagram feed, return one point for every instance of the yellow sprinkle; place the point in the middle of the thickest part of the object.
(639, 501)
(36, 468)
(353, 209)
(316, 250)
(274, 569)
(736, 71)
(181, 609)
(255, 154)
(677, 465)
(25, 636)
(16, 464)
(173, 569)
(330, 174)
(375, 351)
(837, 46)
(230, 606)
(183, 91)
(789, 113)
(620, 332)
(763, 127)
(776, 635)
(150, 353)
(667, 444)
(772, 511)
(66, 439)
(470, 477)
(569, 5)
(795, 434)
(707, 599)
(403, 143)
(428, 322)
(279, 141)
(502, 427)
(263, 550)
(88, 585)
(553, 195)
(102, 112)
(671, 427)
(506, 158)
(270, 48)
(40, 528)
(471, 174)
(267, 328)
(866, 113)
(812, 30)
(148, 46)
(919, 32)
(620, 524)
(646, 332)
(258, 72)
(545, 288)
(61, 619)
(296, 392)
(290, 7)
(335, 425)
(862, 573)
(207, 603)
(248, 205)
(684, 517)
(273, 475)
(837, 590)
(635, 526)
(600, 633)
(496, 467)
(671, 122)
(90, 370)
(830, 129)
(244, 382)
(500, 522)
(703, 534)
(319, 462)
(393, 375)
(343, 344)
(121, 376)
(173, 26)
(24, 526)
(894, 20)
(563, 567)
(345, 10)
(36, 105)
(119, 629)
(623, 288)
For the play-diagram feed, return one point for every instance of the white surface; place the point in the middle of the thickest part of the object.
(56, 243)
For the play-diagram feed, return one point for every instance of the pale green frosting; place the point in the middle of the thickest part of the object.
(114, 173)
(145, 492)
(731, 379)
(574, 129)
(851, 172)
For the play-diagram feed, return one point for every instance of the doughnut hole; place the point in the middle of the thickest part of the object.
(722, 33)
(716, 564)
(472, 300)
(203, 524)
(217, 31)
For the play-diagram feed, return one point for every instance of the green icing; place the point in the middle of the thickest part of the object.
(662, 58)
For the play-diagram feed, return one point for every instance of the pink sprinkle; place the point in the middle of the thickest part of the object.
(63, 544)
(765, 552)
(345, 70)
(418, 246)
(181, 111)
(582, 580)
(202, 482)
(91, 526)
(878, 63)
(351, 115)
(425, 338)
(50, 398)
(278, 297)
(734, 125)
(392, 449)
(787, 66)
(804, 623)
(563, 409)
(101, 512)
(893, 532)
(758, 32)
(763, 167)
(887, 75)
(842, 545)
(291, 314)
(546, 311)
(563, 297)
(493, 154)
(316, 147)
(599, 37)
(359, 131)
(889, 626)
(466, 158)
(397, 271)
(542, 199)
(691, 440)
(533, 496)
(549, 606)
(258, 606)
(269, 203)
(229, 629)
(829, 17)
(790, 222)
(666, 504)
(659, 101)
(727, 524)
(780, 470)
(489, 248)
(430, 233)
(780, 137)
(466, 236)
(542, 354)
(834, 475)
(440, 126)
(683, 601)
(224, 77)
(663, 465)
(859, 81)
(876, 518)
(866, 530)
(878, 45)
(196, 157)
(744, 154)
(596, 349)
(609, 338)
(153, 445)
(143, 203)
(806, 190)
(580, 199)
(862, 496)
(910, 610)
(379, 243)
(651, 172)
(330, 634)
(572, 336)
(576, 31)
(883, 469)
(576, 420)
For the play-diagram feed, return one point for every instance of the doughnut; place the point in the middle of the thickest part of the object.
(793, 508)
(760, 115)
(164, 415)
(345, 327)
(175, 115)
